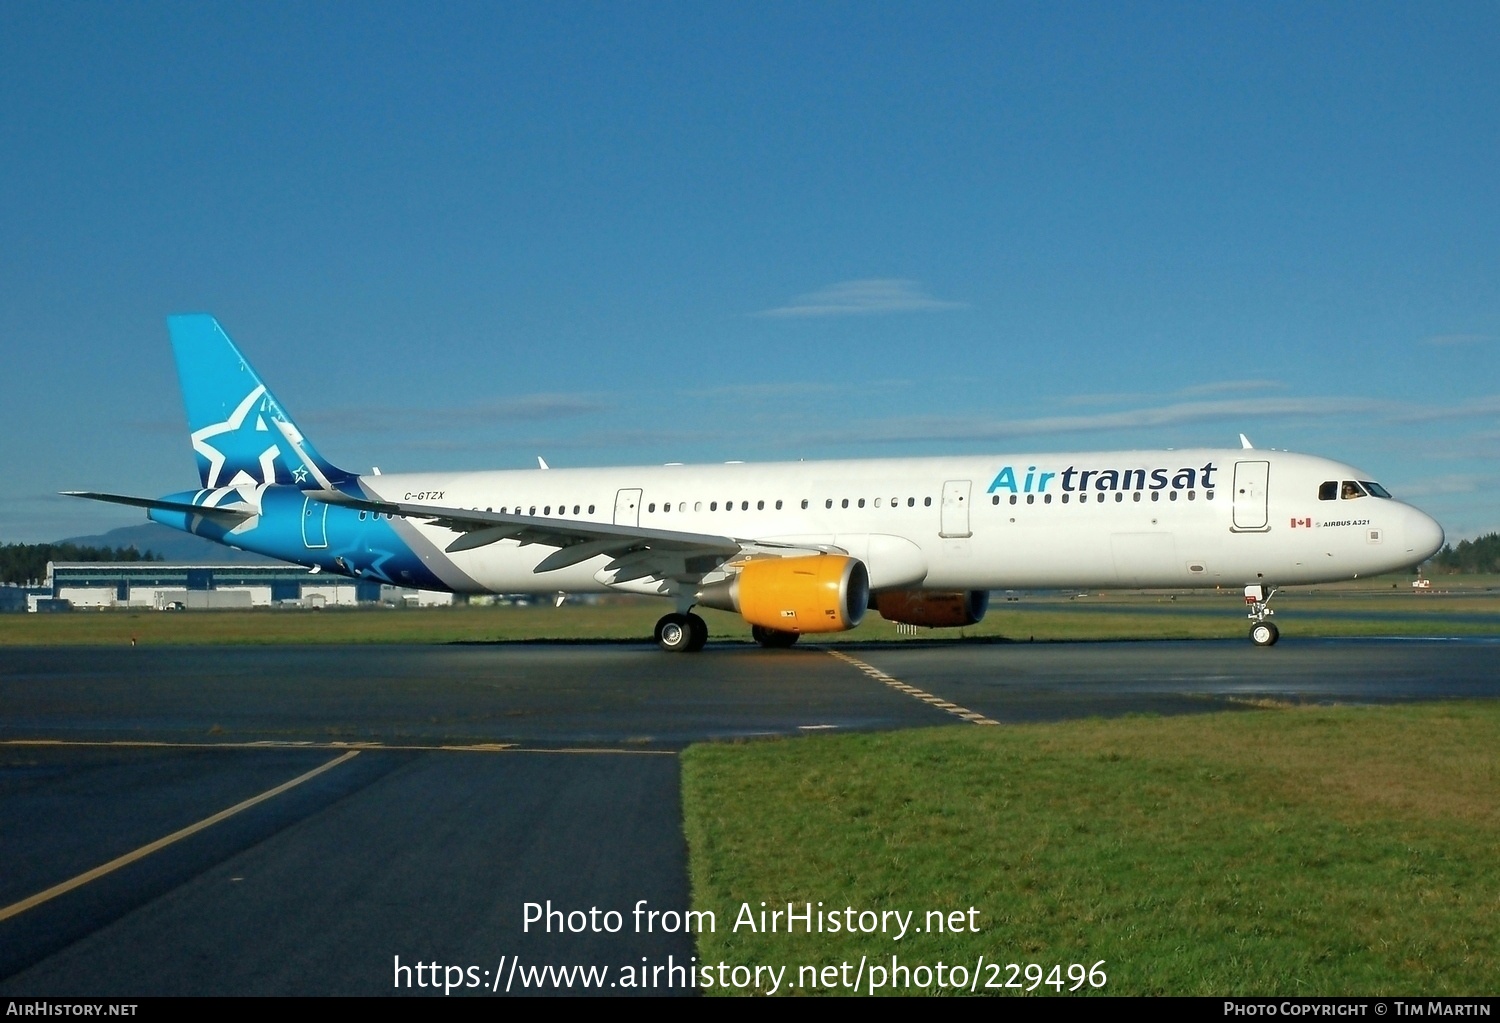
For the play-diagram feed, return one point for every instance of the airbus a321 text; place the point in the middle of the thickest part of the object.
(793, 547)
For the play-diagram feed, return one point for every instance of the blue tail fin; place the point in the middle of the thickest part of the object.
(240, 432)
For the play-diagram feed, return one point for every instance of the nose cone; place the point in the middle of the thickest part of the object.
(1424, 537)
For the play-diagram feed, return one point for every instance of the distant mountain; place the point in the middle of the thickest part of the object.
(172, 544)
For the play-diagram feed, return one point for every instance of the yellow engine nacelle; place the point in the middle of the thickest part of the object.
(813, 593)
(933, 608)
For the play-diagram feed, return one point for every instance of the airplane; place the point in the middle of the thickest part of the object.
(794, 548)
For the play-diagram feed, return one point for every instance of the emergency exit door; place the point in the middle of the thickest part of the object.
(628, 508)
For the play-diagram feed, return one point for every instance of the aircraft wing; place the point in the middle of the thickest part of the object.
(636, 552)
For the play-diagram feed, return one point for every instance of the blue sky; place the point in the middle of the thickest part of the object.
(460, 236)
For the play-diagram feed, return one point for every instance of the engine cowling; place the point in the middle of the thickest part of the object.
(937, 609)
(813, 593)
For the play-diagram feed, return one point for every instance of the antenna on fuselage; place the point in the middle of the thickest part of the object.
(1245, 442)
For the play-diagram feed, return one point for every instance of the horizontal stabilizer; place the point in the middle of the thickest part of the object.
(231, 516)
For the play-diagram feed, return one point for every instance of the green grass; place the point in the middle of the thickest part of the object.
(1287, 851)
(1373, 609)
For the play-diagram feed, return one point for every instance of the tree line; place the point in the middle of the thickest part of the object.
(22, 563)
(1481, 555)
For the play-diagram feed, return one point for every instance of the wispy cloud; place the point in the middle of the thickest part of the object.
(1231, 387)
(1451, 483)
(1197, 390)
(961, 429)
(769, 389)
(524, 408)
(862, 298)
(1444, 340)
(597, 440)
(1475, 408)
(765, 390)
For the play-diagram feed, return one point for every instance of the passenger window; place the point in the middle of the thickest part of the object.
(861, 502)
(995, 499)
(1047, 499)
(651, 507)
(1012, 498)
(828, 503)
(1031, 499)
(911, 502)
(697, 506)
(1328, 490)
(1136, 497)
(927, 502)
(713, 506)
(844, 503)
(778, 506)
(760, 506)
(1065, 499)
(877, 502)
(591, 509)
(744, 506)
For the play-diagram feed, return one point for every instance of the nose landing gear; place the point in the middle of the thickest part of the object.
(1262, 631)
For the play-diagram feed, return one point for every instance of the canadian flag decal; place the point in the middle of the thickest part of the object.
(1302, 522)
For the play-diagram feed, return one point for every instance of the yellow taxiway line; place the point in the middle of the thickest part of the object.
(16, 908)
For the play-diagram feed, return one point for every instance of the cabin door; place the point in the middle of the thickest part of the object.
(956, 509)
(314, 523)
(1250, 480)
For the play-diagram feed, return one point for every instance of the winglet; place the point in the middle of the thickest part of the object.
(1245, 442)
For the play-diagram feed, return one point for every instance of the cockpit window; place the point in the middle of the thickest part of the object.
(1328, 490)
(1350, 490)
(1376, 489)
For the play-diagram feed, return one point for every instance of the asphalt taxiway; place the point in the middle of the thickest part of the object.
(410, 801)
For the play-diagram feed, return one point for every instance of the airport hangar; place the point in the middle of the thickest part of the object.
(172, 585)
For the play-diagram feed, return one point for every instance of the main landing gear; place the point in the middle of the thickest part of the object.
(1262, 631)
(773, 639)
(681, 633)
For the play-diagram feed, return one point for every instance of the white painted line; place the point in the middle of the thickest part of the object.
(962, 713)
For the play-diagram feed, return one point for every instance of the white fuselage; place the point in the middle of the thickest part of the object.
(1175, 518)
